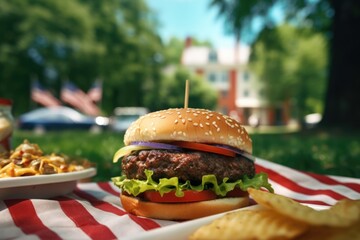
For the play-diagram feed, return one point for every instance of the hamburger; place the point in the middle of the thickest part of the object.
(186, 163)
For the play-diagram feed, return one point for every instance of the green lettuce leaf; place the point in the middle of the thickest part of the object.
(209, 182)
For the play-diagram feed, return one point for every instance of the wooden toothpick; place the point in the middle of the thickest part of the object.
(186, 101)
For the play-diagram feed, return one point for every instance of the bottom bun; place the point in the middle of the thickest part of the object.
(181, 211)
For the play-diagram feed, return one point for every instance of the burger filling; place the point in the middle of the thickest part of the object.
(189, 165)
(178, 174)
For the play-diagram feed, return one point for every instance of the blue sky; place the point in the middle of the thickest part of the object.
(182, 18)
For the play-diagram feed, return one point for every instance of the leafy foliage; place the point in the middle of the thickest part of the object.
(240, 14)
(171, 92)
(292, 62)
(338, 21)
(81, 41)
(175, 46)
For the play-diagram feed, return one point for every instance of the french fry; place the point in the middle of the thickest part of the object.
(249, 224)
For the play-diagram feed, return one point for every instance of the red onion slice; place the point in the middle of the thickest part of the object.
(157, 145)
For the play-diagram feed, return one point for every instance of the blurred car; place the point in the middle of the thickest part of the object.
(124, 116)
(60, 118)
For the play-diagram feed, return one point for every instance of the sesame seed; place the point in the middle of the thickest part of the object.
(176, 121)
(196, 124)
(183, 121)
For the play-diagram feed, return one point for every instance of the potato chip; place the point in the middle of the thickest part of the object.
(347, 209)
(318, 232)
(332, 233)
(352, 232)
(343, 214)
(248, 224)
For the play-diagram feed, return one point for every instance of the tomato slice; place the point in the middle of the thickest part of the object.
(237, 192)
(189, 196)
(205, 148)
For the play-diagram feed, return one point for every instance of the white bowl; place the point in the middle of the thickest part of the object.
(42, 186)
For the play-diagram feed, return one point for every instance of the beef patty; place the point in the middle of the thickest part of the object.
(190, 165)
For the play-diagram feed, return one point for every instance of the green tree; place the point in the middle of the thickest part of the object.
(239, 14)
(173, 50)
(79, 40)
(37, 37)
(171, 93)
(133, 54)
(175, 46)
(292, 63)
(171, 90)
(340, 21)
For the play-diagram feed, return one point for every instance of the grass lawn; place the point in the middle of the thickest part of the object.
(334, 153)
(319, 152)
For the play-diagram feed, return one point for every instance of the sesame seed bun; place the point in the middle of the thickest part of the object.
(190, 125)
(181, 211)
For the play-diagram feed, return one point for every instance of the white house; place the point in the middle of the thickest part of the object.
(241, 94)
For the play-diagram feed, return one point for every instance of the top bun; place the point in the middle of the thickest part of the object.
(190, 125)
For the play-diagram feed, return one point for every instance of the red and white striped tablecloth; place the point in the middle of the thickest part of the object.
(93, 210)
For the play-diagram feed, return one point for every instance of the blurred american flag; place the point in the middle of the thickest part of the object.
(95, 92)
(78, 99)
(42, 96)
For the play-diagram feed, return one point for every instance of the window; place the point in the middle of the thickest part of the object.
(224, 77)
(212, 56)
(246, 76)
(212, 77)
